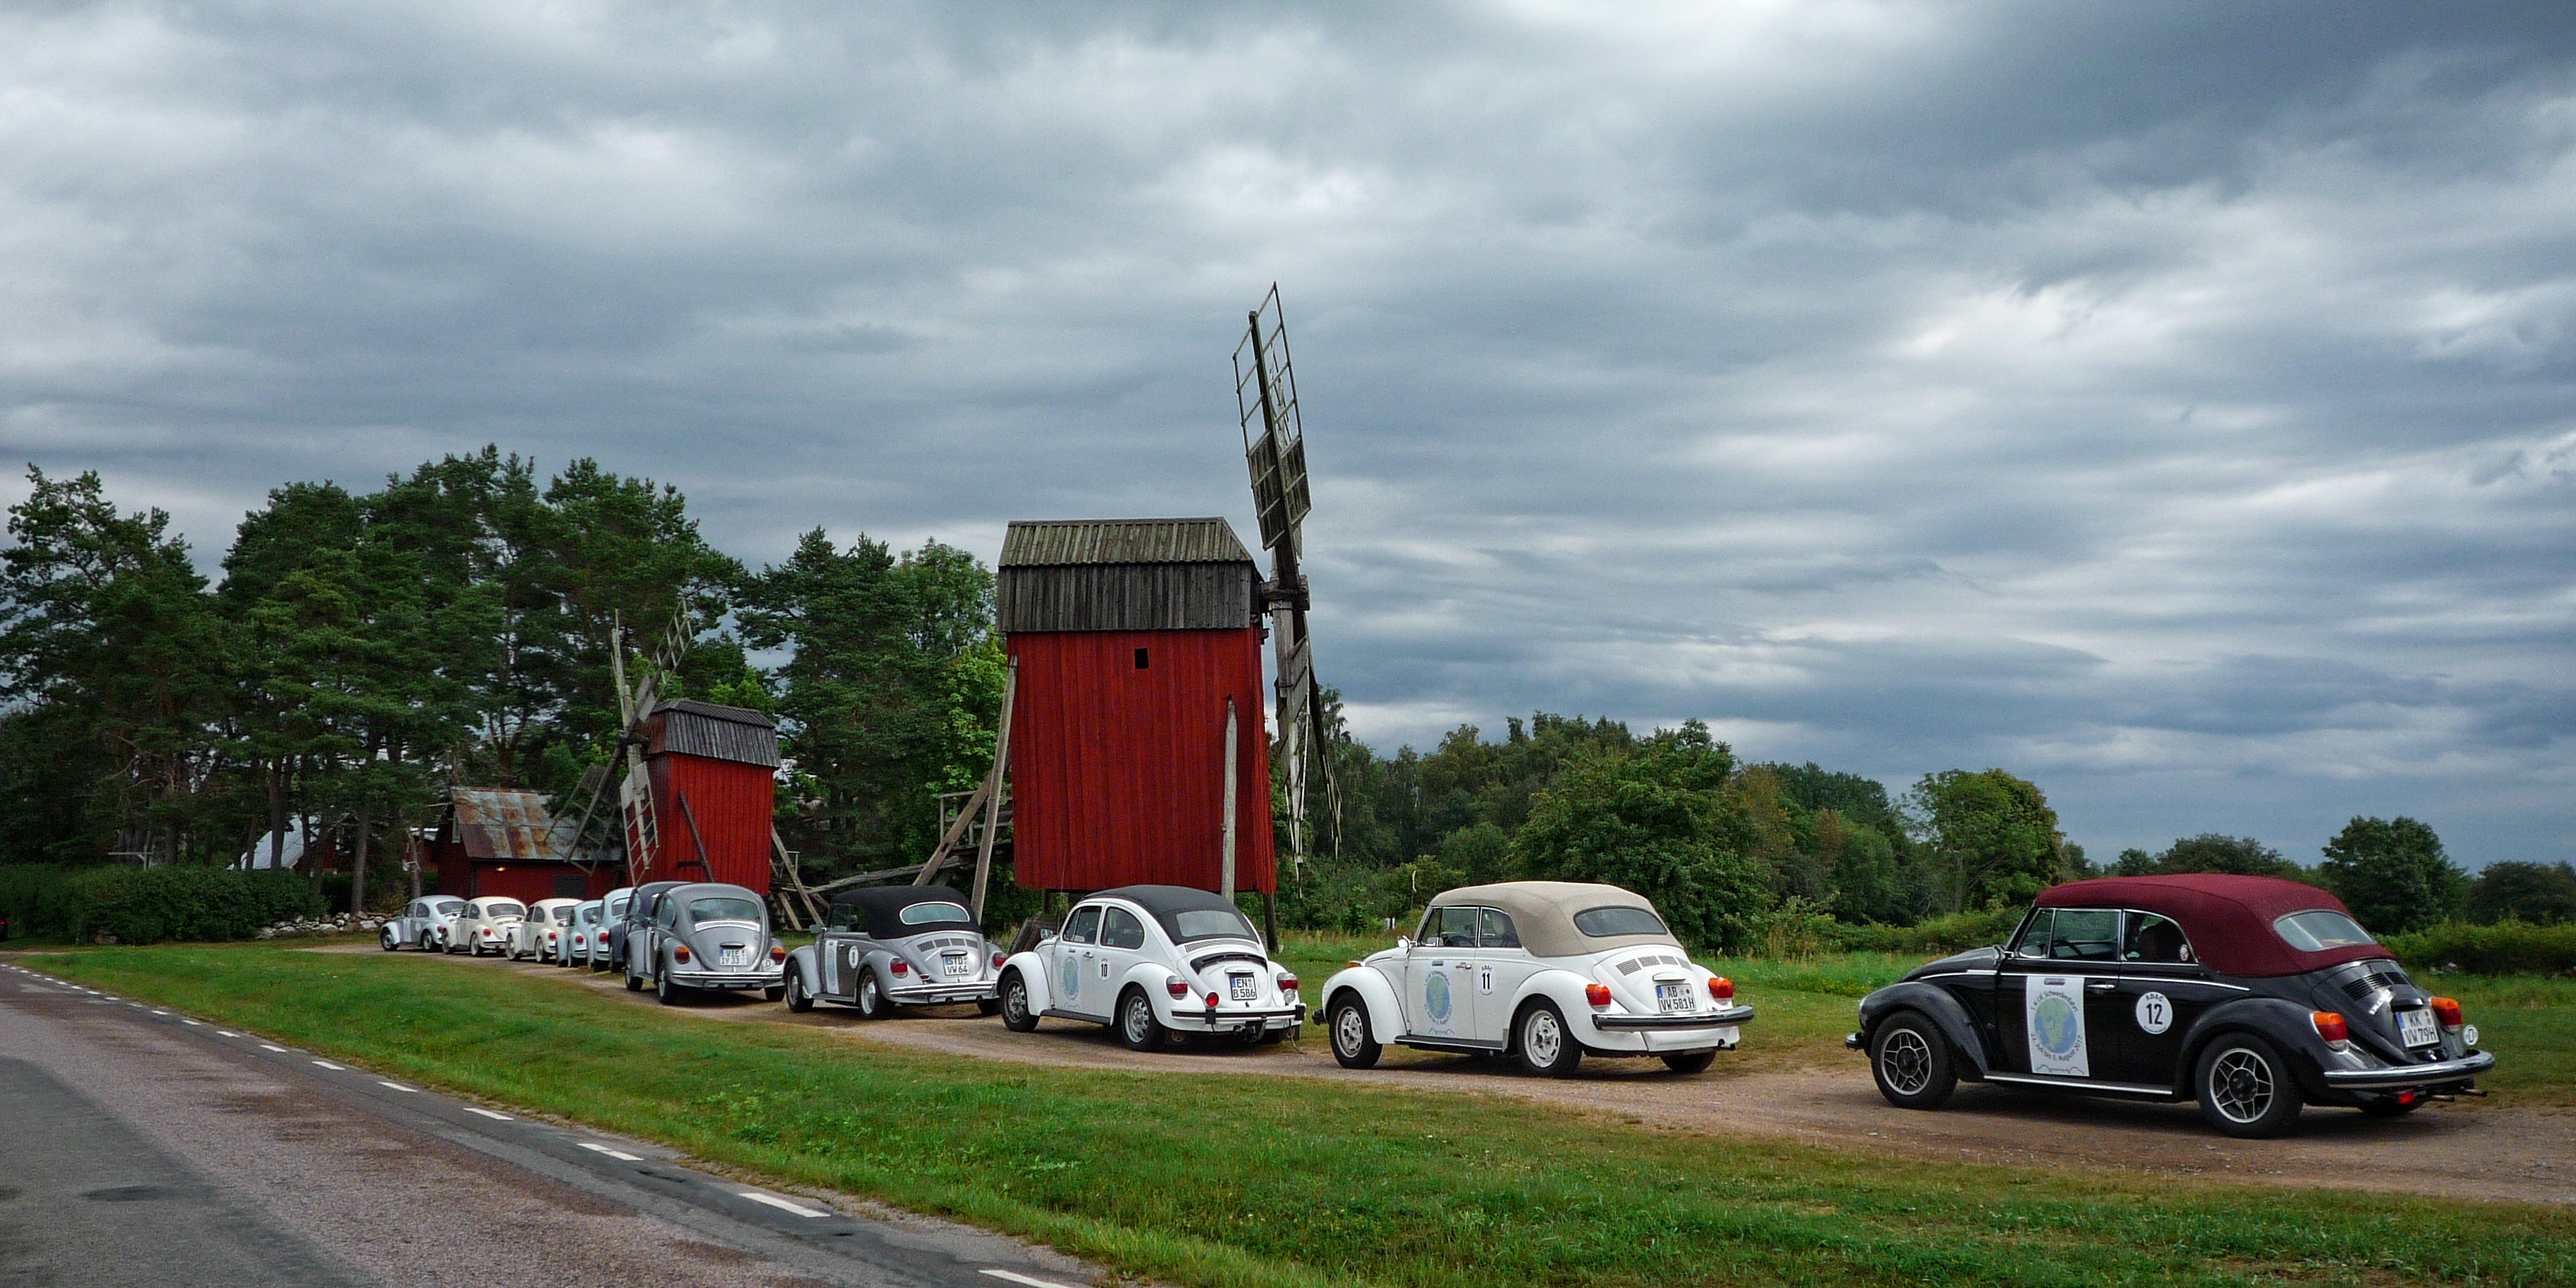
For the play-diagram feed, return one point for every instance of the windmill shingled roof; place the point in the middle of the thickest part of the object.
(1043, 543)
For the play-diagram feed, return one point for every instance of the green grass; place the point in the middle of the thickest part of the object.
(1252, 1180)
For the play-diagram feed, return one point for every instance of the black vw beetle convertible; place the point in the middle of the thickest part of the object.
(2251, 995)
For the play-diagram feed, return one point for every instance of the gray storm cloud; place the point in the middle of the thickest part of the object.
(2171, 407)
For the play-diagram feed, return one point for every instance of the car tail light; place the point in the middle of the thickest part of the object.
(2447, 1012)
(778, 952)
(902, 967)
(1597, 994)
(1721, 988)
(2331, 1027)
(681, 952)
(1211, 999)
(1177, 987)
(1287, 983)
(997, 961)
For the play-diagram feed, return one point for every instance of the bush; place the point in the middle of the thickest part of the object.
(2505, 948)
(1958, 932)
(145, 905)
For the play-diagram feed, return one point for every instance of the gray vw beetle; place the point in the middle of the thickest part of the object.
(896, 945)
(708, 936)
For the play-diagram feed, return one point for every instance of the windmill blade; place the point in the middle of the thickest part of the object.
(1265, 391)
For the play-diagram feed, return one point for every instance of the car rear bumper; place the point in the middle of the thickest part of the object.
(2398, 1076)
(1669, 1023)
(730, 978)
(1214, 1020)
(942, 994)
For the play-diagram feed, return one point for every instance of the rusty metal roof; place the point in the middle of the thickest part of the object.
(506, 823)
(1045, 543)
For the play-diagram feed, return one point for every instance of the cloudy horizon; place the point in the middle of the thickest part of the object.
(2170, 407)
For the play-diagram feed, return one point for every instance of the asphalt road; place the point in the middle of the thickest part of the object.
(142, 1147)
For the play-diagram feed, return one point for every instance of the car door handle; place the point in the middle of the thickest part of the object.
(2101, 985)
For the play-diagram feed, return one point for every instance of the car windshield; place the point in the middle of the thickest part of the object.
(504, 910)
(1210, 923)
(445, 906)
(2315, 932)
(1602, 923)
(923, 914)
(563, 916)
(723, 909)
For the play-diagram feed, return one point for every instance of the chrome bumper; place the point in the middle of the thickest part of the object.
(730, 979)
(980, 991)
(1216, 1021)
(2413, 1075)
(1632, 1023)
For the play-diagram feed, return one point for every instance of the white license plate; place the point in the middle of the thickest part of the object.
(2415, 1028)
(1243, 990)
(1673, 997)
(736, 957)
(960, 965)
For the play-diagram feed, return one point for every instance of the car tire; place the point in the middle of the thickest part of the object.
(1014, 1003)
(871, 996)
(1910, 1061)
(989, 1006)
(773, 994)
(799, 1000)
(1689, 1062)
(2245, 1087)
(1546, 1043)
(388, 940)
(1138, 1026)
(1354, 1047)
(633, 984)
(664, 991)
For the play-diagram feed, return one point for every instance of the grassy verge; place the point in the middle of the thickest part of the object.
(1225, 1180)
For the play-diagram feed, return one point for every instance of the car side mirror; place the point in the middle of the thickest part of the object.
(1403, 943)
(1045, 934)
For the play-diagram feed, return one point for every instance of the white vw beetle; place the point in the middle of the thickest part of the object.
(484, 926)
(1151, 961)
(1545, 970)
(539, 935)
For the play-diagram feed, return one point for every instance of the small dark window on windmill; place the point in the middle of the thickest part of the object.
(1141, 662)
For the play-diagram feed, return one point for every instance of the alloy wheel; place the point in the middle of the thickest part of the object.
(1906, 1062)
(2241, 1086)
(1350, 1031)
(1543, 1038)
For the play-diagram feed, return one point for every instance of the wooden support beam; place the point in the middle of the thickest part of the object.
(939, 857)
(993, 788)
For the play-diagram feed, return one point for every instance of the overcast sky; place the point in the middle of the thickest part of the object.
(2172, 408)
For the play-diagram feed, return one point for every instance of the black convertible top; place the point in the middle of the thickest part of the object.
(1168, 902)
(881, 908)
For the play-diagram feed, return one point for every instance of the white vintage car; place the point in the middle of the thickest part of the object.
(423, 923)
(1543, 970)
(1151, 961)
(484, 926)
(572, 948)
(544, 927)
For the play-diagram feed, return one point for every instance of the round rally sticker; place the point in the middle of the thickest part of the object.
(2155, 1014)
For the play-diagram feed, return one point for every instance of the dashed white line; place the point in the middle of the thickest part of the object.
(396, 1086)
(199, 1023)
(489, 1114)
(264, 1046)
(781, 1204)
(226, 1033)
(160, 1012)
(342, 1068)
(1017, 1278)
(612, 1153)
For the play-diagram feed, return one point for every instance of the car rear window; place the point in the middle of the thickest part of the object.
(505, 909)
(926, 914)
(563, 916)
(2315, 932)
(723, 908)
(1210, 923)
(1603, 923)
(445, 906)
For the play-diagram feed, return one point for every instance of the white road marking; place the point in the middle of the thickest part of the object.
(267, 1047)
(612, 1153)
(396, 1086)
(160, 1012)
(196, 1022)
(328, 1065)
(781, 1204)
(226, 1033)
(1022, 1279)
(489, 1114)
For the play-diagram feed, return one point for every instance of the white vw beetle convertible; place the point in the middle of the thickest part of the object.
(1544, 970)
(1151, 961)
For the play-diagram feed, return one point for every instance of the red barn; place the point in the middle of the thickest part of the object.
(714, 772)
(501, 841)
(1130, 638)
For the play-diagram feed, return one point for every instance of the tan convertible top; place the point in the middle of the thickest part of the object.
(1544, 912)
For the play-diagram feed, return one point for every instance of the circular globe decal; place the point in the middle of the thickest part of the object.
(1435, 996)
(2057, 1029)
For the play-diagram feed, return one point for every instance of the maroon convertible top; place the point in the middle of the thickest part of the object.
(2228, 918)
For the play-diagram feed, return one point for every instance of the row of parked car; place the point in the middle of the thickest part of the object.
(2249, 995)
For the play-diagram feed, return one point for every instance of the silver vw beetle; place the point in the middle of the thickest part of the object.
(898, 945)
(709, 936)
